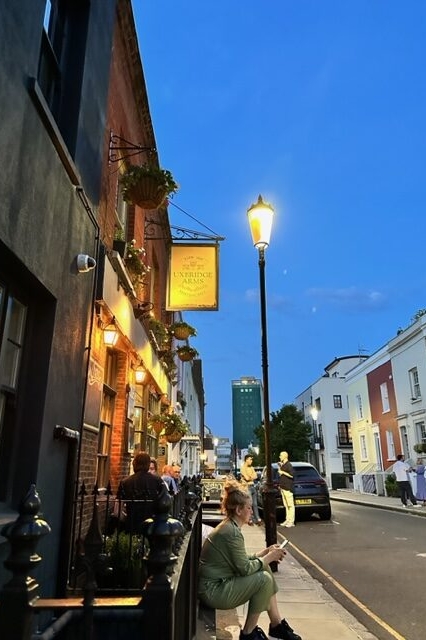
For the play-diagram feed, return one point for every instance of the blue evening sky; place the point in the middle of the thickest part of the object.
(320, 106)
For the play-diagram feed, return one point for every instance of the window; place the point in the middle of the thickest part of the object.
(363, 447)
(404, 441)
(359, 412)
(337, 402)
(121, 208)
(391, 445)
(344, 434)
(13, 316)
(61, 62)
(420, 431)
(414, 384)
(106, 419)
(385, 397)
(348, 463)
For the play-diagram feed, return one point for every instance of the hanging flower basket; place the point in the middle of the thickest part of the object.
(175, 428)
(182, 330)
(157, 423)
(174, 437)
(147, 185)
(186, 353)
(157, 427)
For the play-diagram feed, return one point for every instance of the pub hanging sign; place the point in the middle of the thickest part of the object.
(193, 277)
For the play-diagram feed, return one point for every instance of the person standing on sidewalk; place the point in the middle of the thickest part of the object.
(248, 479)
(401, 469)
(421, 482)
(229, 577)
(286, 473)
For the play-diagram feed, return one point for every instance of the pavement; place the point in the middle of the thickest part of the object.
(302, 600)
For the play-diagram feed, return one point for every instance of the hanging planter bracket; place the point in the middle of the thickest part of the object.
(177, 233)
(117, 144)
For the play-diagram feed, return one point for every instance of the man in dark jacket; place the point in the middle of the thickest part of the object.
(141, 492)
(285, 470)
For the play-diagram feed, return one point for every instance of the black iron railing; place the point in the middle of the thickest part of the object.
(124, 581)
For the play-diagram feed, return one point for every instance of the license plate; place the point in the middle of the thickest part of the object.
(303, 501)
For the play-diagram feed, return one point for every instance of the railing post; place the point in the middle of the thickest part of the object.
(157, 595)
(19, 593)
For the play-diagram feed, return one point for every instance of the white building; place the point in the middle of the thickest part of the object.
(325, 406)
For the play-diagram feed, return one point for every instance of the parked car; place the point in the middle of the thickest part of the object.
(310, 492)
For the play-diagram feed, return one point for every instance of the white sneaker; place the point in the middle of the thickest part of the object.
(416, 506)
(288, 524)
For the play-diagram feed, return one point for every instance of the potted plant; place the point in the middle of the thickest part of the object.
(182, 330)
(125, 557)
(159, 332)
(119, 243)
(157, 422)
(186, 353)
(134, 261)
(175, 428)
(420, 447)
(147, 185)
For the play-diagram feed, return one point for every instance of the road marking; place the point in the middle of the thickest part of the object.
(349, 595)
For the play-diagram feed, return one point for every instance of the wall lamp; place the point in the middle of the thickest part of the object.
(140, 374)
(111, 333)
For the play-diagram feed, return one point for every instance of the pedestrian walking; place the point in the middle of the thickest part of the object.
(229, 578)
(401, 469)
(286, 473)
(421, 481)
(248, 481)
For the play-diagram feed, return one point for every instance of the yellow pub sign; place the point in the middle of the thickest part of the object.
(193, 277)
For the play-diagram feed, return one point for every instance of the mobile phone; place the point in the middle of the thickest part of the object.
(283, 543)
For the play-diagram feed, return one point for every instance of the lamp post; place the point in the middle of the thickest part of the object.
(260, 216)
(314, 414)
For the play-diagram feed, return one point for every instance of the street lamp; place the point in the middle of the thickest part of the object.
(314, 414)
(260, 216)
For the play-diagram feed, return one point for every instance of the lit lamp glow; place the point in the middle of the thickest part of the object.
(260, 217)
(110, 334)
(140, 375)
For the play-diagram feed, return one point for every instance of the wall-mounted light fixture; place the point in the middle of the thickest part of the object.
(111, 333)
(140, 374)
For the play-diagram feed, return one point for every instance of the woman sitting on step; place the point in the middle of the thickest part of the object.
(228, 577)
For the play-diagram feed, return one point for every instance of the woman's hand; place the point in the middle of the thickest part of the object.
(276, 554)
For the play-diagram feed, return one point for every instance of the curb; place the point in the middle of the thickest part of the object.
(386, 507)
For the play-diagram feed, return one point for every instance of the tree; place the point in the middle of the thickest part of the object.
(289, 432)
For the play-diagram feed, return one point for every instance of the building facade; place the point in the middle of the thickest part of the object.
(325, 406)
(75, 405)
(247, 410)
(387, 407)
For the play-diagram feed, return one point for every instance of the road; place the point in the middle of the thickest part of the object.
(378, 556)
